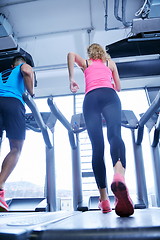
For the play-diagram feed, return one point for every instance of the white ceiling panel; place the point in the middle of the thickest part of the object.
(49, 29)
(47, 17)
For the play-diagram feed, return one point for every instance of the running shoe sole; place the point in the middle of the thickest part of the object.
(105, 207)
(3, 208)
(106, 211)
(123, 206)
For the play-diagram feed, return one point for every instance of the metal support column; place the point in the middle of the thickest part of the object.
(140, 174)
(156, 159)
(77, 176)
(156, 164)
(50, 180)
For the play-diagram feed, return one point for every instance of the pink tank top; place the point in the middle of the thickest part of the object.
(97, 75)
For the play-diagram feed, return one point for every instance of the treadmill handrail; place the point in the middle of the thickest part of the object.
(158, 123)
(28, 126)
(128, 120)
(146, 116)
(150, 111)
(156, 133)
(31, 104)
(57, 113)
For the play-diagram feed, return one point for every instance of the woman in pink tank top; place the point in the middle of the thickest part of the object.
(101, 83)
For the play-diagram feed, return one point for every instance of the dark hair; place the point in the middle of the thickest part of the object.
(18, 58)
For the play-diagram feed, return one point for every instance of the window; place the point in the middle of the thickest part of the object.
(28, 177)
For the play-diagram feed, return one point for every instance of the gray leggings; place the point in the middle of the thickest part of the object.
(97, 102)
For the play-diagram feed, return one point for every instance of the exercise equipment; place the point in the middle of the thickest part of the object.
(50, 163)
(43, 123)
(20, 226)
(91, 225)
(76, 126)
(130, 121)
(153, 125)
(144, 224)
(76, 171)
(29, 213)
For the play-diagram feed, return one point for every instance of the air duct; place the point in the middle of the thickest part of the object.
(145, 25)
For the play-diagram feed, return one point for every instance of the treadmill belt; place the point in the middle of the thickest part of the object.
(144, 224)
(19, 226)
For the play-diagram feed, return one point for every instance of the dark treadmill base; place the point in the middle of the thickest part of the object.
(27, 204)
(19, 226)
(144, 224)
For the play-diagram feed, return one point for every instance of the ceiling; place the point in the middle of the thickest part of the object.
(48, 29)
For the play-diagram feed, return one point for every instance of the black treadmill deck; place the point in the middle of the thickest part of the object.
(144, 224)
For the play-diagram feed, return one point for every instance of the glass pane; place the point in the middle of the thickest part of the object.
(136, 101)
(63, 156)
(28, 177)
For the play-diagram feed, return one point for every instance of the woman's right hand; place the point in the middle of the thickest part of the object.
(74, 86)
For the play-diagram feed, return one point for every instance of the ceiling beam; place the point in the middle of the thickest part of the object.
(9, 3)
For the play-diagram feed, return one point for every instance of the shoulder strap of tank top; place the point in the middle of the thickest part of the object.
(107, 63)
(87, 63)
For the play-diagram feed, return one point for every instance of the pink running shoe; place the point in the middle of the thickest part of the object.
(3, 204)
(104, 206)
(123, 203)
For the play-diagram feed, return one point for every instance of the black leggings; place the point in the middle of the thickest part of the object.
(97, 102)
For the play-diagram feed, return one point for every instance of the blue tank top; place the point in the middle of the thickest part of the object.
(12, 83)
